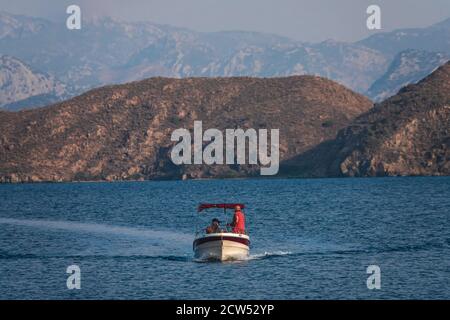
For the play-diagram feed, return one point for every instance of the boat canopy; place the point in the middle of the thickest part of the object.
(204, 206)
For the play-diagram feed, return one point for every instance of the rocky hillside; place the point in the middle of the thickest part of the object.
(20, 86)
(408, 66)
(408, 134)
(123, 131)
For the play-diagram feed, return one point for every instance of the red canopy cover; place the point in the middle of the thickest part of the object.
(204, 206)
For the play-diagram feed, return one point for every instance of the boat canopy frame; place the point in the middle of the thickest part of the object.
(204, 206)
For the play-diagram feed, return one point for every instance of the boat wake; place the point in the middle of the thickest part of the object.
(256, 256)
(268, 255)
(107, 241)
(111, 241)
(99, 228)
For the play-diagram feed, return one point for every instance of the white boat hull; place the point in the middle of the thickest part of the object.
(222, 247)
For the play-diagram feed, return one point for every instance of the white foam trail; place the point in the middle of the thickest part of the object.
(100, 228)
(266, 254)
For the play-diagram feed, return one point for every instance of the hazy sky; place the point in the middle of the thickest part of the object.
(307, 20)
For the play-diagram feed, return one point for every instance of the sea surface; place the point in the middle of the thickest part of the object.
(310, 239)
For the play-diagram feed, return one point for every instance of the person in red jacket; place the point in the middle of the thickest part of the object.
(238, 223)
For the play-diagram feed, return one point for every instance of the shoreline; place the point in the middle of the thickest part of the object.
(216, 179)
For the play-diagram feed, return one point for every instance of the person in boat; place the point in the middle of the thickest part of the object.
(214, 227)
(238, 223)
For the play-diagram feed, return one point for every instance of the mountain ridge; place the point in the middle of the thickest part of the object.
(407, 134)
(19, 83)
(408, 66)
(112, 51)
(125, 51)
(122, 132)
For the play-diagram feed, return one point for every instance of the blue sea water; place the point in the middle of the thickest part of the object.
(310, 239)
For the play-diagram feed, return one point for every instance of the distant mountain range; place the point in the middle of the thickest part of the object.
(122, 131)
(408, 66)
(433, 38)
(22, 87)
(108, 51)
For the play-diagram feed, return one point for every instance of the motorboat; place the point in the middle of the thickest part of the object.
(223, 244)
